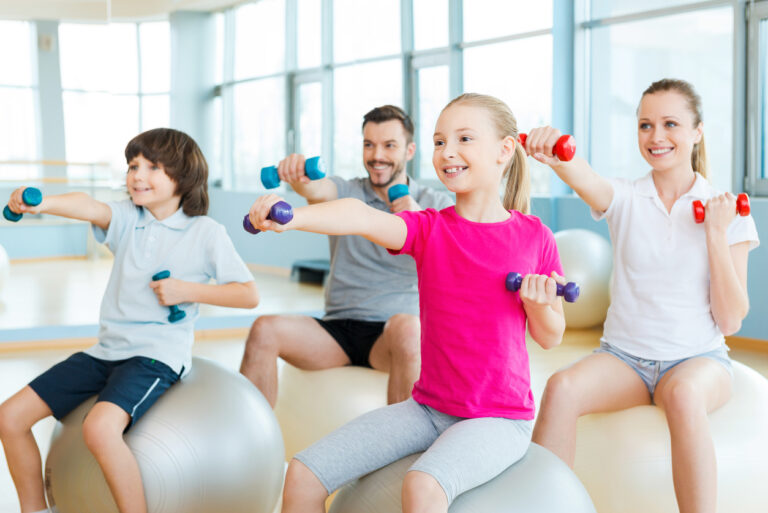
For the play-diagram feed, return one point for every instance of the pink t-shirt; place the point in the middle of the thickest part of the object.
(474, 362)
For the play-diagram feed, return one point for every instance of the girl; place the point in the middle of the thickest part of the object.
(140, 353)
(677, 288)
(472, 407)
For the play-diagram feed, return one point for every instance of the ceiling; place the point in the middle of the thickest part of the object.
(103, 10)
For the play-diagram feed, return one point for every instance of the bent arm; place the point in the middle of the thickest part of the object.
(546, 323)
(728, 297)
(233, 295)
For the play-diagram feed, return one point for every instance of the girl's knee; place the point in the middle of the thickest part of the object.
(300, 480)
(422, 490)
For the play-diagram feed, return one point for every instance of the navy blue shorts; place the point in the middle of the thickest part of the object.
(133, 384)
(356, 338)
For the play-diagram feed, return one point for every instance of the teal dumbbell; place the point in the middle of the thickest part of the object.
(314, 168)
(176, 313)
(31, 196)
(397, 191)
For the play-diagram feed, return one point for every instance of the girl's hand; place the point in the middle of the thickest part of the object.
(538, 290)
(540, 144)
(719, 212)
(259, 212)
(17, 205)
(291, 169)
(169, 291)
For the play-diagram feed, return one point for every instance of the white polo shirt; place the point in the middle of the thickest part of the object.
(132, 322)
(660, 306)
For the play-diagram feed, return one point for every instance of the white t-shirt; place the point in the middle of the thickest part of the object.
(660, 307)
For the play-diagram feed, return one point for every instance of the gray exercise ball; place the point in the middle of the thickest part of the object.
(210, 443)
(539, 482)
(587, 259)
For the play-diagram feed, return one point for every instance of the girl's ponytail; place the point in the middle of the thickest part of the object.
(517, 189)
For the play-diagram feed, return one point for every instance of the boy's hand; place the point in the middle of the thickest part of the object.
(17, 205)
(538, 290)
(169, 291)
(258, 215)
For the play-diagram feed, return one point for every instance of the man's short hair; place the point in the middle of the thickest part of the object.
(388, 113)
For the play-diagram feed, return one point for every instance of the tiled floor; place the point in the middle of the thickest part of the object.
(69, 292)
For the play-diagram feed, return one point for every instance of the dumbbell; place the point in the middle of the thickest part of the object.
(565, 147)
(742, 207)
(31, 196)
(281, 212)
(569, 291)
(314, 168)
(177, 314)
(397, 191)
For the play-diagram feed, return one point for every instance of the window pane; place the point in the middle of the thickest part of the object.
(310, 44)
(99, 57)
(485, 19)
(98, 126)
(259, 39)
(155, 57)
(355, 94)
(16, 65)
(17, 125)
(259, 112)
(526, 87)
(605, 8)
(430, 24)
(434, 94)
(214, 156)
(155, 111)
(627, 57)
(763, 101)
(365, 28)
(310, 136)
(219, 66)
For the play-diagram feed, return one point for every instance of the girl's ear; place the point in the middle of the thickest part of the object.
(507, 149)
(699, 132)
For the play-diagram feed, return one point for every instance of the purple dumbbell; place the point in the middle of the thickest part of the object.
(281, 212)
(569, 291)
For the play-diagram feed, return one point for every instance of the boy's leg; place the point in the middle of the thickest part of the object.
(365, 444)
(17, 416)
(467, 454)
(103, 433)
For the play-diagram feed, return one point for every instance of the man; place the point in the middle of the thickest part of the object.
(371, 297)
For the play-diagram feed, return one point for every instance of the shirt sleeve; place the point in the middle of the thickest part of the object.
(124, 215)
(550, 256)
(342, 186)
(224, 263)
(743, 229)
(622, 188)
(418, 226)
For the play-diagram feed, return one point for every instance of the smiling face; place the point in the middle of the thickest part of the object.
(149, 186)
(386, 151)
(667, 131)
(469, 154)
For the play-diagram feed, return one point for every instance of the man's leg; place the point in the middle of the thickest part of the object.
(297, 339)
(397, 351)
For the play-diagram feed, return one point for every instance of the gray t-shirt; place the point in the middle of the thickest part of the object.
(366, 283)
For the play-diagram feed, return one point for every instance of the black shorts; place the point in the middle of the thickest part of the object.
(133, 384)
(356, 338)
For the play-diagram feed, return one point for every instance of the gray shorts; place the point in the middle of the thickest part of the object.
(460, 453)
(651, 371)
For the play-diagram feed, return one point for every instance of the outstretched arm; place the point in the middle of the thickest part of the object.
(346, 216)
(74, 205)
(596, 191)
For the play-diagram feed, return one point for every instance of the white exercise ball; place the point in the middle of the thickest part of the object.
(5, 268)
(311, 404)
(539, 482)
(623, 458)
(210, 443)
(587, 260)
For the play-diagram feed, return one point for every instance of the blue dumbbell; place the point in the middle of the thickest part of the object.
(281, 212)
(314, 168)
(569, 291)
(397, 191)
(176, 313)
(31, 196)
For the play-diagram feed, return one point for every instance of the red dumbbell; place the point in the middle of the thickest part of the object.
(565, 147)
(742, 207)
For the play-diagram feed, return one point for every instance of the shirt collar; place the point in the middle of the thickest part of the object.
(699, 190)
(176, 221)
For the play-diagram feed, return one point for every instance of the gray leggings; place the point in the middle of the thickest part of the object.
(460, 453)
